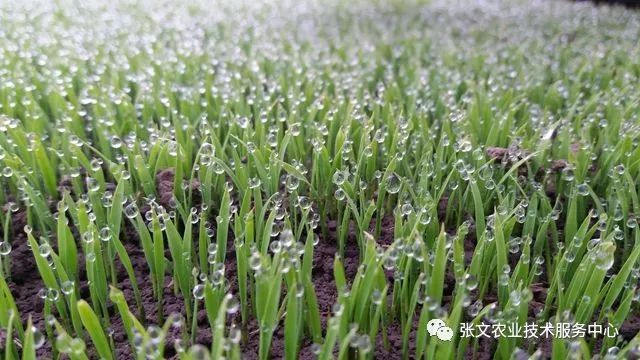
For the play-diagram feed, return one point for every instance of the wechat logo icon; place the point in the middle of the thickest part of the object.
(439, 329)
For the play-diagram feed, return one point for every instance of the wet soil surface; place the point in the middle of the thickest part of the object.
(25, 283)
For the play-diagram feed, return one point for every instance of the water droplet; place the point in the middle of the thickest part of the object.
(292, 183)
(5, 248)
(116, 142)
(131, 211)
(198, 291)
(67, 287)
(471, 282)
(233, 305)
(7, 172)
(254, 183)
(568, 174)
(393, 184)
(406, 209)
(376, 297)
(570, 255)
(45, 250)
(105, 234)
(339, 178)
(583, 189)
(38, 337)
(603, 256)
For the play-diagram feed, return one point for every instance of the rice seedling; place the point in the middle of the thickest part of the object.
(318, 179)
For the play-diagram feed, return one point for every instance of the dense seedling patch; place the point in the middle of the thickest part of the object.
(317, 180)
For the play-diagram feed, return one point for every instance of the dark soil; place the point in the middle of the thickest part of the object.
(25, 284)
